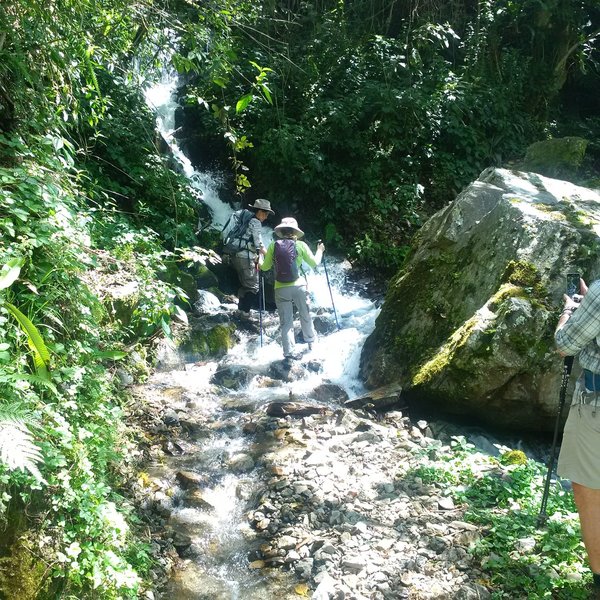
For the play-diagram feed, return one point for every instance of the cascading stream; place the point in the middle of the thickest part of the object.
(213, 527)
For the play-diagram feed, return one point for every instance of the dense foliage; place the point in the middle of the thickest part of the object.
(376, 113)
(86, 199)
(362, 116)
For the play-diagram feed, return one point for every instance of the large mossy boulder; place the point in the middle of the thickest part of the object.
(467, 325)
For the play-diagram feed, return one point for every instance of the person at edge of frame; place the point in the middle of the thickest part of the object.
(292, 294)
(245, 261)
(578, 334)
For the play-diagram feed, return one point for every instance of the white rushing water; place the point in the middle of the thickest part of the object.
(221, 535)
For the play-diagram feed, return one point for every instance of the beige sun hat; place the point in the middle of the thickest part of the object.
(262, 204)
(288, 223)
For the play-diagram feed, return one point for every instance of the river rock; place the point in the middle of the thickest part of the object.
(286, 370)
(189, 480)
(293, 409)
(467, 324)
(195, 499)
(241, 463)
(232, 377)
(329, 392)
(207, 302)
(380, 398)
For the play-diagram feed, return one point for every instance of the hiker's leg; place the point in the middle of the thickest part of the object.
(247, 275)
(588, 506)
(308, 332)
(285, 309)
(579, 461)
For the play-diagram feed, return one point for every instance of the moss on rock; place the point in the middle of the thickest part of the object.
(22, 574)
(212, 342)
(558, 157)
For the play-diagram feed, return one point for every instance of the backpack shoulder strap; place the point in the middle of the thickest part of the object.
(227, 223)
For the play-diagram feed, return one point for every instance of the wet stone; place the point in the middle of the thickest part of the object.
(189, 479)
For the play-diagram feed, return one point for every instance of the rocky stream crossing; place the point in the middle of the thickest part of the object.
(263, 480)
(262, 484)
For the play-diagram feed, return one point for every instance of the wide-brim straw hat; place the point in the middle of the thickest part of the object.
(262, 204)
(288, 223)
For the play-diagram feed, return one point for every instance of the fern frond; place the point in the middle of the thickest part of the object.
(35, 379)
(17, 449)
(41, 355)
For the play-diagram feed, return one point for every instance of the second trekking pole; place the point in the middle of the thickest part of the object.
(261, 300)
(329, 286)
(567, 366)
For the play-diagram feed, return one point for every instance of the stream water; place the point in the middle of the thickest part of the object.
(226, 462)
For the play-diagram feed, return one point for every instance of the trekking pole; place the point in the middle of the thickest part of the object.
(261, 298)
(329, 286)
(567, 366)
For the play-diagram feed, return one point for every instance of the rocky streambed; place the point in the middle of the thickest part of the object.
(293, 497)
(339, 511)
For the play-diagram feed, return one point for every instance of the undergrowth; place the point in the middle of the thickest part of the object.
(523, 556)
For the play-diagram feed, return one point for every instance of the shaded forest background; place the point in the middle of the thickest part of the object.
(360, 117)
(374, 114)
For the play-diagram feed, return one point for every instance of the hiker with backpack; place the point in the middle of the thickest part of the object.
(242, 245)
(286, 255)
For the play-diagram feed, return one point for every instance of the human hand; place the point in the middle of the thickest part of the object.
(321, 247)
(572, 302)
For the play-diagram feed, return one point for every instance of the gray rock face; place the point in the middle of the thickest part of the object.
(467, 325)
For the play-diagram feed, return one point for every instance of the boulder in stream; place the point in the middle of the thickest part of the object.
(294, 409)
(467, 324)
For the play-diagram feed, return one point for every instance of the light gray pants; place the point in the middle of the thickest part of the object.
(285, 300)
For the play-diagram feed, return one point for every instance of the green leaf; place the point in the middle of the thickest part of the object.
(41, 355)
(267, 93)
(10, 272)
(243, 102)
(181, 314)
(110, 354)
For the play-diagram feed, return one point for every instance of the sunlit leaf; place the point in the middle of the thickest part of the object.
(10, 272)
(243, 102)
(41, 355)
(110, 354)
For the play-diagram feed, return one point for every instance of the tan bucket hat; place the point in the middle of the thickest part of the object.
(288, 223)
(262, 204)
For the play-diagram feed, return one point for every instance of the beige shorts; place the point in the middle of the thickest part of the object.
(579, 458)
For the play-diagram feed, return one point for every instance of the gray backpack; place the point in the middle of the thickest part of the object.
(235, 234)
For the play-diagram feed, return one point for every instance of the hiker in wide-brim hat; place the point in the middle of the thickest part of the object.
(286, 255)
(262, 204)
(288, 227)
